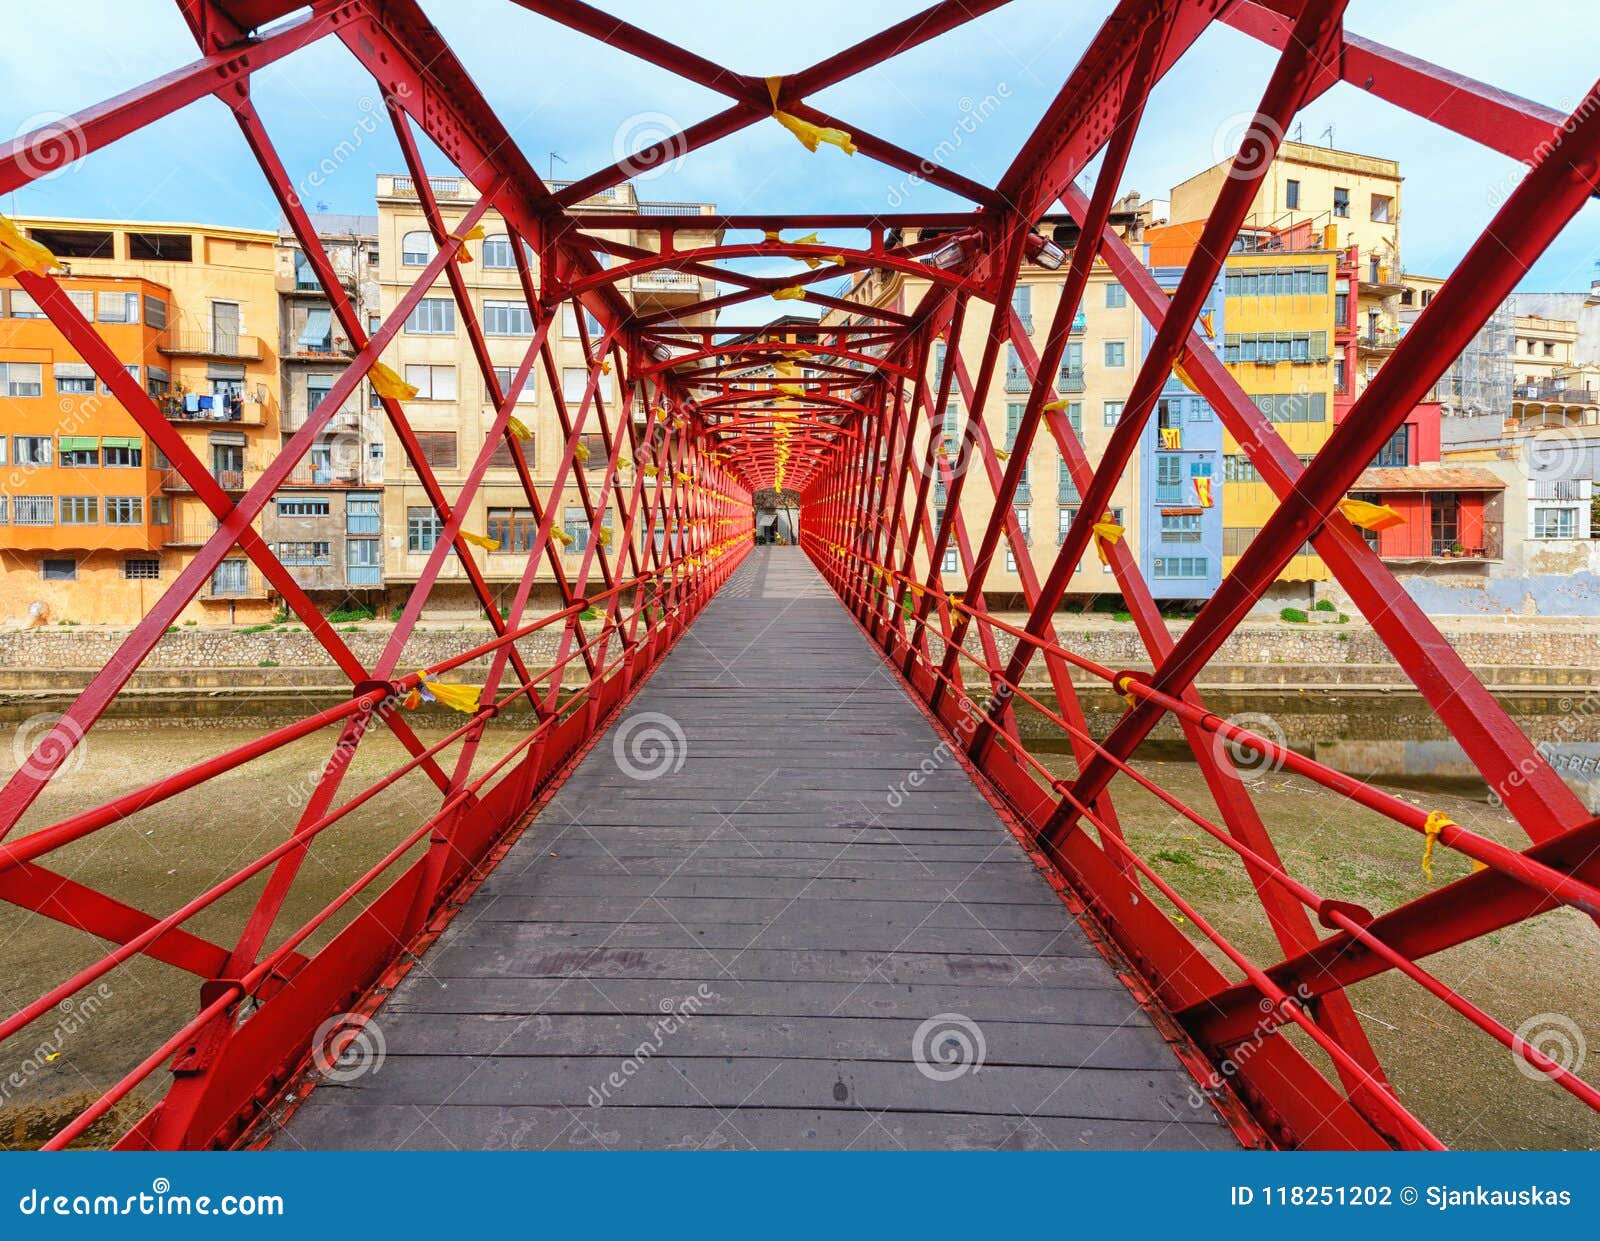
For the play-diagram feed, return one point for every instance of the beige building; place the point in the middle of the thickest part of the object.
(1097, 370)
(452, 412)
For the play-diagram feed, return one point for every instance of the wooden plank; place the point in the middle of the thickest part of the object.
(781, 928)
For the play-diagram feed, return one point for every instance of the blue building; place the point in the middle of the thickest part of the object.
(1180, 468)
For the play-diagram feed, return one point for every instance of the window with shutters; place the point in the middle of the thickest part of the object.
(438, 448)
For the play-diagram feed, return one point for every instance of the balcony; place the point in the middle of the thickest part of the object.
(1017, 380)
(188, 532)
(1554, 393)
(1381, 343)
(337, 476)
(1070, 379)
(1381, 280)
(666, 281)
(405, 187)
(228, 480)
(245, 414)
(203, 343)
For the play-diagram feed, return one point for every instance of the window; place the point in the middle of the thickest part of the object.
(1397, 451)
(1338, 375)
(417, 249)
(1341, 201)
(21, 378)
(23, 306)
(32, 450)
(569, 323)
(132, 370)
(155, 312)
(1169, 478)
(83, 301)
(1064, 518)
(1066, 489)
(433, 383)
(1555, 523)
(124, 510)
(1070, 378)
(317, 335)
(1024, 525)
(79, 452)
(33, 510)
(1116, 353)
(497, 254)
(1116, 296)
(507, 319)
(432, 316)
(1180, 527)
(58, 570)
(1444, 521)
(119, 308)
(160, 511)
(74, 378)
(362, 515)
(141, 569)
(1237, 468)
(1291, 194)
(302, 508)
(1112, 412)
(80, 510)
(1189, 567)
(1382, 205)
(949, 565)
(505, 374)
(1293, 406)
(158, 381)
(363, 562)
(1022, 303)
(305, 553)
(423, 527)
(231, 577)
(576, 523)
(438, 448)
(574, 379)
(515, 528)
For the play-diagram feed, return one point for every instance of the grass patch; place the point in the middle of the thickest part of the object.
(1293, 615)
(343, 616)
(1122, 616)
(256, 628)
(268, 663)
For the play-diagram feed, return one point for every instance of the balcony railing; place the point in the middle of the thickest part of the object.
(228, 480)
(247, 413)
(193, 532)
(1017, 380)
(1070, 379)
(203, 343)
(1555, 393)
(666, 281)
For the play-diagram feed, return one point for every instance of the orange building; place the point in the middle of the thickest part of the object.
(94, 521)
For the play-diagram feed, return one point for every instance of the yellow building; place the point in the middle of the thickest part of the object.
(191, 311)
(1280, 343)
(1096, 373)
(451, 412)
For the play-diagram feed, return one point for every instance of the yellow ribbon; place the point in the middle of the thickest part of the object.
(1370, 516)
(1438, 820)
(475, 233)
(1108, 532)
(463, 698)
(518, 428)
(809, 135)
(19, 253)
(794, 293)
(481, 540)
(387, 384)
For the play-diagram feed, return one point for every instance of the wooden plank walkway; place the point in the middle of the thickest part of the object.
(721, 934)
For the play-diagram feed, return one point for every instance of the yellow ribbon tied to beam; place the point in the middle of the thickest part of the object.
(389, 385)
(580, 451)
(650, 471)
(1183, 378)
(475, 233)
(1107, 531)
(1055, 407)
(19, 253)
(1438, 820)
(1370, 516)
(604, 536)
(463, 698)
(794, 293)
(561, 537)
(810, 135)
(518, 428)
(481, 540)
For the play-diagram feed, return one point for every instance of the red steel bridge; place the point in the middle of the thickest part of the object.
(1127, 995)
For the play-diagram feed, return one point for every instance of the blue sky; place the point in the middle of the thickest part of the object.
(561, 92)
